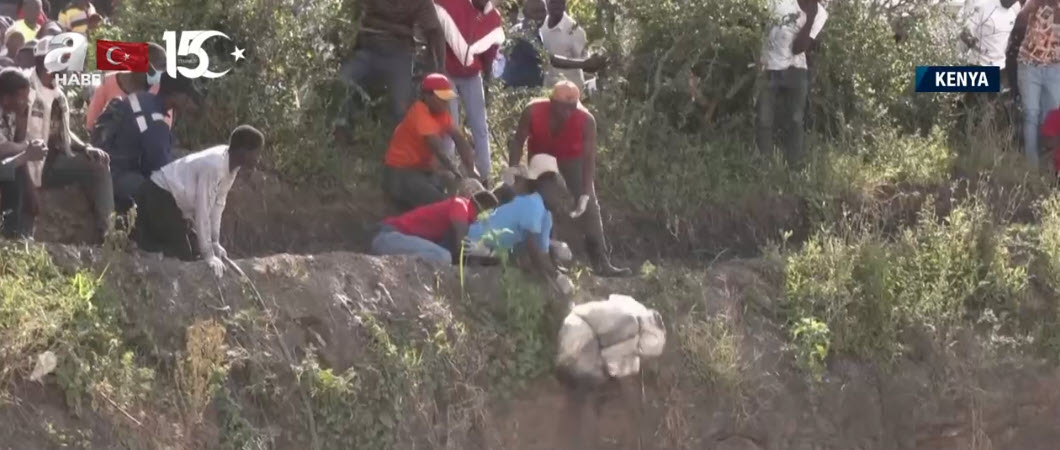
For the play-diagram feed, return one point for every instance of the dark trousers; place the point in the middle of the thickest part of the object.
(376, 61)
(590, 224)
(12, 194)
(781, 107)
(160, 225)
(127, 184)
(410, 189)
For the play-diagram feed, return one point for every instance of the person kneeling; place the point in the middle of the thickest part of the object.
(431, 231)
(525, 223)
(179, 208)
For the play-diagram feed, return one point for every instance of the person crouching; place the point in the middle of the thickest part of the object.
(179, 208)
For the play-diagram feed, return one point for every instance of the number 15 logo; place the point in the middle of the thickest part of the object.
(191, 43)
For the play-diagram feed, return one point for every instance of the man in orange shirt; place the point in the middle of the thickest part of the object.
(409, 177)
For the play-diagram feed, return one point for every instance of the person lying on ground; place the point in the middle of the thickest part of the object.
(561, 127)
(70, 160)
(120, 84)
(418, 143)
(525, 223)
(179, 208)
(430, 231)
(14, 152)
(80, 17)
(134, 132)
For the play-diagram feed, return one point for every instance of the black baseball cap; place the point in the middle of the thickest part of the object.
(180, 85)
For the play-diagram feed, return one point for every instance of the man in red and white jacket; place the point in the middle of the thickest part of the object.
(473, 34)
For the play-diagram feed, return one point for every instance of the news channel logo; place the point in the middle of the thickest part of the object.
(67, 52)
(958, 79)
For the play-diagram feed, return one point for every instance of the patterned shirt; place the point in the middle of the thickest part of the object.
(1041, 45)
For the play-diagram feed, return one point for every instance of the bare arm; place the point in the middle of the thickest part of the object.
(459, 231)
(541, 260)
(436, 144)
(802, 38)
(463, 148)
(589, 163)
(515, 145)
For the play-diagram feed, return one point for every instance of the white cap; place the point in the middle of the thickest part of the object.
(541, 164)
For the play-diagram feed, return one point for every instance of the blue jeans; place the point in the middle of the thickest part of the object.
(1040, 93)
(389, 241)
(473, 96)
(379, 61)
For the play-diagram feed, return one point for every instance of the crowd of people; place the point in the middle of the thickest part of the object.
(128, 160)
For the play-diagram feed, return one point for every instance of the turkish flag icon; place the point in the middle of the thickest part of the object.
(117, 55)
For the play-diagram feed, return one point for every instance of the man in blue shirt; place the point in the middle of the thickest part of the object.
(525, 222)
(134, 132)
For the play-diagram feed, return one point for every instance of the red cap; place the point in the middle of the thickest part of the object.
(439, 84)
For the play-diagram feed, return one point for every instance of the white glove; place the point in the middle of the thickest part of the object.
(217, 266)
(566, 286)
(219, 251)
(477, 249)
(583, 202)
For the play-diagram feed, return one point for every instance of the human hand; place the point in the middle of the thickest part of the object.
(216, 265)
(595, 62)
(97, 156)
(583, 203)
(219, 251)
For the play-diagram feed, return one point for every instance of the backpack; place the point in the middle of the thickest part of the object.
(105, 132)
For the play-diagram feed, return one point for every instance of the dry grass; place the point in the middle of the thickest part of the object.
(204, 358)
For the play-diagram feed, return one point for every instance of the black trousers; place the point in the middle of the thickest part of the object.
(160, 225)
(12, 193)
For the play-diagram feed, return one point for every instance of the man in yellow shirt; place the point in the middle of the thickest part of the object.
(80, 17)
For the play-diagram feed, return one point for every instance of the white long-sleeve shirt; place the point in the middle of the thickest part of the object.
(199, 184)
(991, 24)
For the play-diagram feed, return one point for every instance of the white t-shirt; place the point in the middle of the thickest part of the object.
(788, 19)
(567, 39)
(991, 24)
(38, 124)
(199, 184)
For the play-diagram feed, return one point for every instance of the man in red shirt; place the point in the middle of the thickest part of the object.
(430, 231)
(473, 35)
(560, 126)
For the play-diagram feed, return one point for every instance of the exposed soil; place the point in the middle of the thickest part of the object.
(958, 399)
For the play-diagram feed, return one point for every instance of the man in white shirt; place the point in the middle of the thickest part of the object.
(785, 81)
(987, 27)
(567, 45)
(179, 208)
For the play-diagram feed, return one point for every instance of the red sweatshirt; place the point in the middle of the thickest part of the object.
(472, 36)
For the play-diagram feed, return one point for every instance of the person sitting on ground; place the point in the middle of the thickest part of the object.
(431, 232)
(560, 126)
(14, 153)
(524, 223)
(180, 207)
(409, 178)
(134, 132)
(80, 17)
(70, 160)
(119, 84)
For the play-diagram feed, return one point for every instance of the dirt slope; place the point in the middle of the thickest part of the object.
(334, 305)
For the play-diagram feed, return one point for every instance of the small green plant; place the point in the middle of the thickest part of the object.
(712, 352)
(812, 343)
